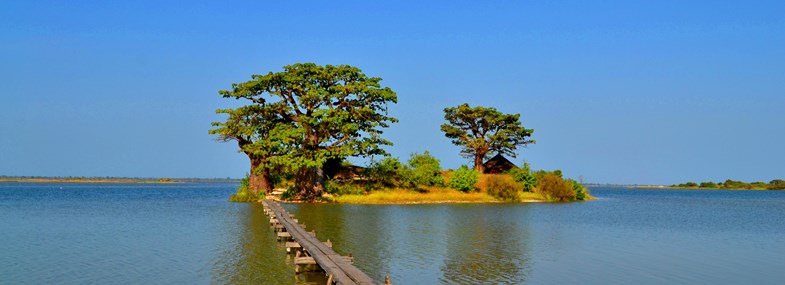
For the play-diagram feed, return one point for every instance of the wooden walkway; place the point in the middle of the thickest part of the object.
(338, 268)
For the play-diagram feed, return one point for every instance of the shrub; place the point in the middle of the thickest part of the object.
(424, 170)
(289, 194)
(555, 187)
(464, 179)
(336, 188)
(580, 191)
(502, 187)
(708, 185)
(384, 173)
(524, 176)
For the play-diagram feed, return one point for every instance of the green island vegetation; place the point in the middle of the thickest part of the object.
(300, 125)
(776, 184)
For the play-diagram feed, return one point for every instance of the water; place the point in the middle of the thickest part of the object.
(188, 234)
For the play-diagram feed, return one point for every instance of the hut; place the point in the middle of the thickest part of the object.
(498, 164)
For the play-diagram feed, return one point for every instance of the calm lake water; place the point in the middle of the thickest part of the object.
(67, 233)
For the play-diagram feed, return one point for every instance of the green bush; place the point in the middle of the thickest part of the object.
(424, 170)
(580, 191)
(243, 194)
(502, 187)
(289, 194)
(555, 187)
(384, 173)
(347, 188)
(464, 179)
(524, 176)
(708, 185)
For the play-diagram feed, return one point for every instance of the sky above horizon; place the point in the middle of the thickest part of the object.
(630, 92)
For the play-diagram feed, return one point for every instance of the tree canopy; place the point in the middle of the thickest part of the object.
(480, 131)
(321, 113)
(258, 134)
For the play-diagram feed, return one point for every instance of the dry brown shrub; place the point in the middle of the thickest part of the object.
(502, 187)
(555, 187)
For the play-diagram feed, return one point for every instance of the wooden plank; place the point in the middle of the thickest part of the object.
(309, 243)
(291, 246)
(284, 235)
(339, 267)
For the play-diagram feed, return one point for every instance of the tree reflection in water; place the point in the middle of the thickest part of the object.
(485, 246)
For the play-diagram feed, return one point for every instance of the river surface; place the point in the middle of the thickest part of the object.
(66, 233)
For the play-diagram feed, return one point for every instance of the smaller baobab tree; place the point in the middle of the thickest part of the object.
(256, 131)
(480, 131)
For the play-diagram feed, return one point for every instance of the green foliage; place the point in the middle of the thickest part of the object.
(289, 194)
(555, 187)
(349, 188)
(257, 132)
(311, 114)
(423, 170)
(524, 176)
(384, 173)
(244, 194)
(464, 179)
(777, 184)
(502, 187)
(540, 173)
(580, 191)
(479, 130)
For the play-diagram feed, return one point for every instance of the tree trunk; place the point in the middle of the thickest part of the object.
(259, 177)
(478, 162)
(311, 182)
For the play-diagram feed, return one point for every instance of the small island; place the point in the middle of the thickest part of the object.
(300, 125)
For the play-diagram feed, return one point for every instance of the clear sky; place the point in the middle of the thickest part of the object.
(648, 92)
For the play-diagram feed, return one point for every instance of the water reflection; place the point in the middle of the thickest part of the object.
(428, 244)
(485, 246)
(249, 253)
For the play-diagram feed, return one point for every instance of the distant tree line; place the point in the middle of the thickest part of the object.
(776, 184)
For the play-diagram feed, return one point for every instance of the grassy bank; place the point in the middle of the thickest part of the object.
(400, 196)
(433, 195)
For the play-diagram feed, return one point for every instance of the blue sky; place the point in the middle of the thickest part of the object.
(648, 92)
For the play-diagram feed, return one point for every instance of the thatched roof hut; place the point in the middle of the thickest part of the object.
(498, 164)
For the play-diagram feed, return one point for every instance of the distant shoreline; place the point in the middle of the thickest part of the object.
(114, 180)
(88, 180)
(699, 188)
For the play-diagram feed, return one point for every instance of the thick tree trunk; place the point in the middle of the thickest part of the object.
(311, 182)
(478, 162)
(259, 177)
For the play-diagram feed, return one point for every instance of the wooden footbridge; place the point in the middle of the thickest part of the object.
(339, 269)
